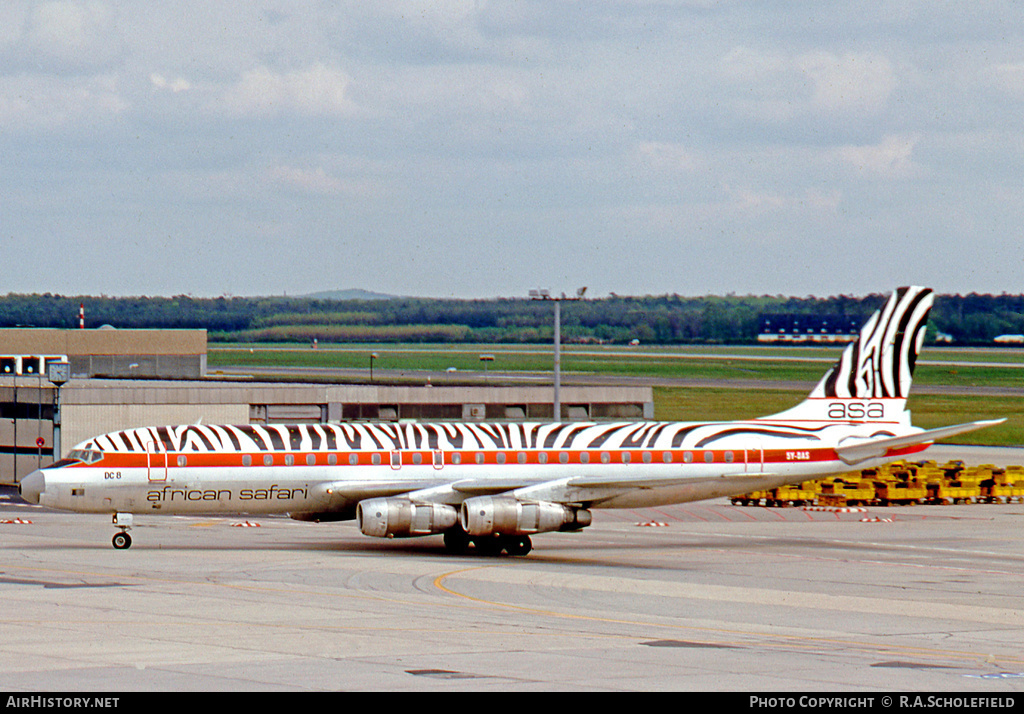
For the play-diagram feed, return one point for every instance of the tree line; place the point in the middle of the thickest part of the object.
(667, 319)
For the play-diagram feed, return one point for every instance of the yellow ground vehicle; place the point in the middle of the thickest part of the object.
(901, 484)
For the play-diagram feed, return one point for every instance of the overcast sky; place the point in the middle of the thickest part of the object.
(480, 149)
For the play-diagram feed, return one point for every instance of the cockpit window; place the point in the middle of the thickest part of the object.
(89, 456)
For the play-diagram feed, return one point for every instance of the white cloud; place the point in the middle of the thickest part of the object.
(748, 201)
(780, 86)
(312, 181)
(892, 157)
(749, 66)
(447, 90)
(319, 90)
(668, 156)
(1009, 78)
(12, 23)
(862, 82)
(46, 102)
(175, 85)
(70, 35)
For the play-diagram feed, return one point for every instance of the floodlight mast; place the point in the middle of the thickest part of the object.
(545, 294)
(59, 373)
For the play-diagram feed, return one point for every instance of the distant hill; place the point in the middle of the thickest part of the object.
(350, 294)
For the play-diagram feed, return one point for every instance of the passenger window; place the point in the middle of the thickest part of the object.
(310, 459)
(289, 460)
(246, 460)
(585, 457)
(667, 457)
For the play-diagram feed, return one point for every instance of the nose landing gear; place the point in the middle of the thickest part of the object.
(122, 540)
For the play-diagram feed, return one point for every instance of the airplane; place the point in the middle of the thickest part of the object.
(491, 486)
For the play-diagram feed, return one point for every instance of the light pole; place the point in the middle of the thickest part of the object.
(544, 294)
(373, 356)
(59, 373)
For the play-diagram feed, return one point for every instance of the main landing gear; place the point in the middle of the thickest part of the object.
(122, 540)
(457, 541)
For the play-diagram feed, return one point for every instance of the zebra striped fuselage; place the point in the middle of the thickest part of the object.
(327, 468)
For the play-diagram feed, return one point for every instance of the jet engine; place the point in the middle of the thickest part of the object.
(400, 517)
(490, 515)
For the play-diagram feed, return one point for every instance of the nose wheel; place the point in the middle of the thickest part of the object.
(122, 540)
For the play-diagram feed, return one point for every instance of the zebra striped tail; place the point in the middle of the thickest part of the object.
(871, 380)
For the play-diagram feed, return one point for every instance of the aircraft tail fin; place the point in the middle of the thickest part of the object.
(871, 380)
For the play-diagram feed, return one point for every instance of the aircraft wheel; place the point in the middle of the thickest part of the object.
(456, 541)
(122, 541)
(518, 545)
(489, 545)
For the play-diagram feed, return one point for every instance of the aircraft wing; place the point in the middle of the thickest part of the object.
(570, 490)
(587, 489)
(336, 500)
(598, 490)
(858, 451)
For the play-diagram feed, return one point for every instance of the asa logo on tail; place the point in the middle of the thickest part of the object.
(844, 410)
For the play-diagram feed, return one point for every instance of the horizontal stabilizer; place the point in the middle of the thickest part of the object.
(875, 448)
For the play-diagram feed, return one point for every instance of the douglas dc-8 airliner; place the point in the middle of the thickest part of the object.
(493, 485)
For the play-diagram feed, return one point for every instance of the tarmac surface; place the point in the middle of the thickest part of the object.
(704, 597)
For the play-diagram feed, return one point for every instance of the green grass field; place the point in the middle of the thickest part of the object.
(937, 367)
(929, 411)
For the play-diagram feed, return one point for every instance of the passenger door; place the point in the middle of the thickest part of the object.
(753, 457)
(156, 462)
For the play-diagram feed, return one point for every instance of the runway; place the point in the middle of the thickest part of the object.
(702, 597)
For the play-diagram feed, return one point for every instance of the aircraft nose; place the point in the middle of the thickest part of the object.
(32, 486)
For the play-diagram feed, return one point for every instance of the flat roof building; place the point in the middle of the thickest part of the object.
(111, 352)
(808, 328)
